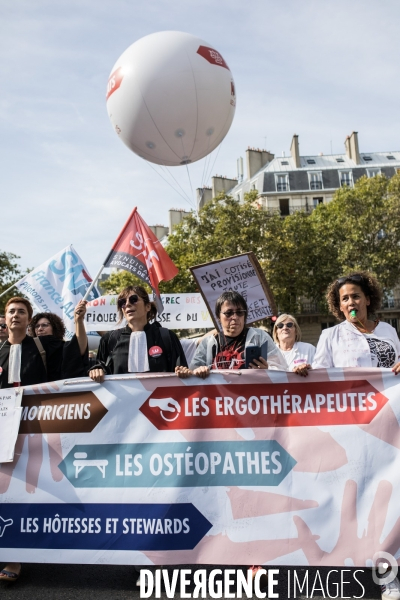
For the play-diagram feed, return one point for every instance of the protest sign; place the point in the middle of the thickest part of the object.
(241, 273)
(10, 416)
(181, 311)
(263, 467)
(57, 285)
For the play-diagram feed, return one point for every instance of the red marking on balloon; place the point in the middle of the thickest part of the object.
(114, 82)
(212, 56)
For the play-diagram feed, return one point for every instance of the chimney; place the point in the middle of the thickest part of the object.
(176, 215)
(347, 146)
(256, 159)
(294, 151)
(204, 195)
(222, 184)
(355, 154)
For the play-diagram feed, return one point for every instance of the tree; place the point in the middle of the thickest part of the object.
(359, 230)
(9, 273)
(300, 254)
(223, 227)
(120, 280)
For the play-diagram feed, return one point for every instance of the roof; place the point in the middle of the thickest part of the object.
(329, 165)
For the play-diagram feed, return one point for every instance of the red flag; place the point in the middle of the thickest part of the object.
(138, 251)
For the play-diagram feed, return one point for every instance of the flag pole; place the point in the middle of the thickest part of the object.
(99, 272)
(10, 288)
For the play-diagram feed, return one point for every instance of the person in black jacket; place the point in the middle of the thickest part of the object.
(24, 362)
(141, 346)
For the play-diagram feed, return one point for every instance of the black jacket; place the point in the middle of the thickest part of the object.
(112, 355)
(63, 360)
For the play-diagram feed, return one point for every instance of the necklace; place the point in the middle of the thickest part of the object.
(364, 328)
(3, 343)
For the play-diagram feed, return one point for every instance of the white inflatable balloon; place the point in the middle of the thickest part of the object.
(171, 98)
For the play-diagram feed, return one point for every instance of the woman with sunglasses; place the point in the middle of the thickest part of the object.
(360, 340)
(287, 335)
(227, 349)
(142, 345)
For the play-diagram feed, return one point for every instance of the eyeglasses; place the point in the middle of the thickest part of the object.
(282, 325)
(3, 326)
(130, 300)
(229, 313)
(356, 278)
(39, 325)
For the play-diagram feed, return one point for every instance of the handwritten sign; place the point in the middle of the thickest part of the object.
(181, 311)
(242, 274)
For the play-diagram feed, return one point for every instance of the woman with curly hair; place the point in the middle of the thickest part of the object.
(47, 324)
(360, 340)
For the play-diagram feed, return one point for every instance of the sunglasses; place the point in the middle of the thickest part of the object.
(282, 325)
(3, 326)
(124, 301)
(343, 280)
(229, 313)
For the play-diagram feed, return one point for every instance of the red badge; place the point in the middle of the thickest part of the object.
(155, 351)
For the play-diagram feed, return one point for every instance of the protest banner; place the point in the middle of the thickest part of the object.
(241, 273)
(181, 311)
(257, 468)
(57, 285)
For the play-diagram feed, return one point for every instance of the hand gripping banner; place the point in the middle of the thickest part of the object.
(251, 468)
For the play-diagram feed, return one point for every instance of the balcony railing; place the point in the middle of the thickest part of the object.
(316, 185)
(282, 187)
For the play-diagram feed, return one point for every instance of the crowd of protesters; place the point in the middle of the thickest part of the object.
(33, 350)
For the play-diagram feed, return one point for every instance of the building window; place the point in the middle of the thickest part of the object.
(238, 197)
(284, 162)
(373, 172)
(282, 183)
(367, 158)
(317, 201)
(346, 178)
(315, 180)
(390, 157)
(339, 160)
(310, 161)
(284, 207)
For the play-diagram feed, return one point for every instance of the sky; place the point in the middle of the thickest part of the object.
(317, 68)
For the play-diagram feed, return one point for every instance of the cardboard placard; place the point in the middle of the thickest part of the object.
(241, 273)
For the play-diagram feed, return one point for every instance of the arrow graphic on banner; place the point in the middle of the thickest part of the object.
(264, 405)
(73, 412)
(177, 464)
(103, 526)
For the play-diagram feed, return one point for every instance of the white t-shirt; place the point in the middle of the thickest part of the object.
(301, 353)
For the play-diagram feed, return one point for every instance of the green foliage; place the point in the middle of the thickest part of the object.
(120, 280)
(9, 274)
(360, 229)
(300, 254)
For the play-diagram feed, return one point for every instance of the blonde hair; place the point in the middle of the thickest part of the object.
(296, 328)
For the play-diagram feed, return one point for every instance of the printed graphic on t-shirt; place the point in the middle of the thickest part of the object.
(382, 353)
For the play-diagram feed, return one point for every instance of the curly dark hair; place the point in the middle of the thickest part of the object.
(141, 292)
(366, 281)
(55, 321)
